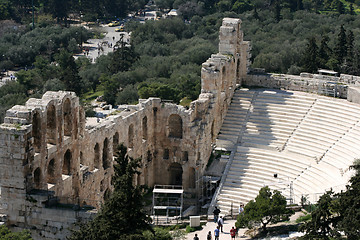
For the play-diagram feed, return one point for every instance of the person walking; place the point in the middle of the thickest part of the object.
(216, 213)
(221, 223)
(209, 237)
(232, 233)
(196, 237)
(217, 233)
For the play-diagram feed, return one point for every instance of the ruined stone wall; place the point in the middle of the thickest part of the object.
(312, 83)
(50, 153)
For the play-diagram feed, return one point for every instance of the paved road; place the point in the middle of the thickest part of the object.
(98, 47)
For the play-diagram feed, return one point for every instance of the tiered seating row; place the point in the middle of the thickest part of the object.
(305, 139)
(235, 118)
(323, 126)
(274, 118)
(253, 168)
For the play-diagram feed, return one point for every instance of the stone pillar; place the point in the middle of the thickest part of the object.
(14, 150)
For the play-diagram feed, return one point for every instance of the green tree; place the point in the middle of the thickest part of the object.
(268, 207)
(323, 220)
(324, 51)
(349, 209)
(69, 74)
(122, 216)
(340, 47)
(310, 56)
(6, 234)
(123, 57)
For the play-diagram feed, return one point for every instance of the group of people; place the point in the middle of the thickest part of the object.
(219, 227)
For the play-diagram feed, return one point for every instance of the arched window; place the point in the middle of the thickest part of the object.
(37, 178)
(106, 154)
(115, 141)
(175, 126)
(175, 171)
(144, 128)
(51, 125)
(97, 156)
(67, 118)
(66, 169)
(185, 156)
(192, 177)
(36, 131)
(51, 172)
(131, 136)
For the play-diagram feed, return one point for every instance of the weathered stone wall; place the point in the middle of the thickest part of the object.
(51, 153)
(312, 83)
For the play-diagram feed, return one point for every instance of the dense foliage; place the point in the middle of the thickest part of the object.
(268, 207)
(165, 57)
(337, 214)
(6, 234)
(21, 10)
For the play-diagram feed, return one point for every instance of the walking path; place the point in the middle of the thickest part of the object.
(210, 226)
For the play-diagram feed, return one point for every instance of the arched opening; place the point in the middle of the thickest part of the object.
(97, 156)
(223, 79)
(175, 172)
(192, 177)
(131, 136)
(82, 158)
(37, 178)
(166, 154)
(51, 172)
(238, 71)
(66, 169)
(185, 156)
(115, 141)
(51, 125)
(36, 131)
(175, 126)
(67, 118)
(105, 157)
(144, 127)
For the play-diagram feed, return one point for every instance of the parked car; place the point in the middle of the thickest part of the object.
(114, 24)
(119, 29)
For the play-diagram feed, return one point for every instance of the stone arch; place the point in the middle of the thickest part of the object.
(175, 126)
(97, 156)
(51, 171)
(175, 174)
(67, 117)
(131, 136)
(192, 177)
(36, 131)
(51, 125)
(144, 128)
(66, 169)
(105, 156)
(115, 141)
(37, 178)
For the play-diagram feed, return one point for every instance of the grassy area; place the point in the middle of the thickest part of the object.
(305, 218)
(91, 95)
(185, 102)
